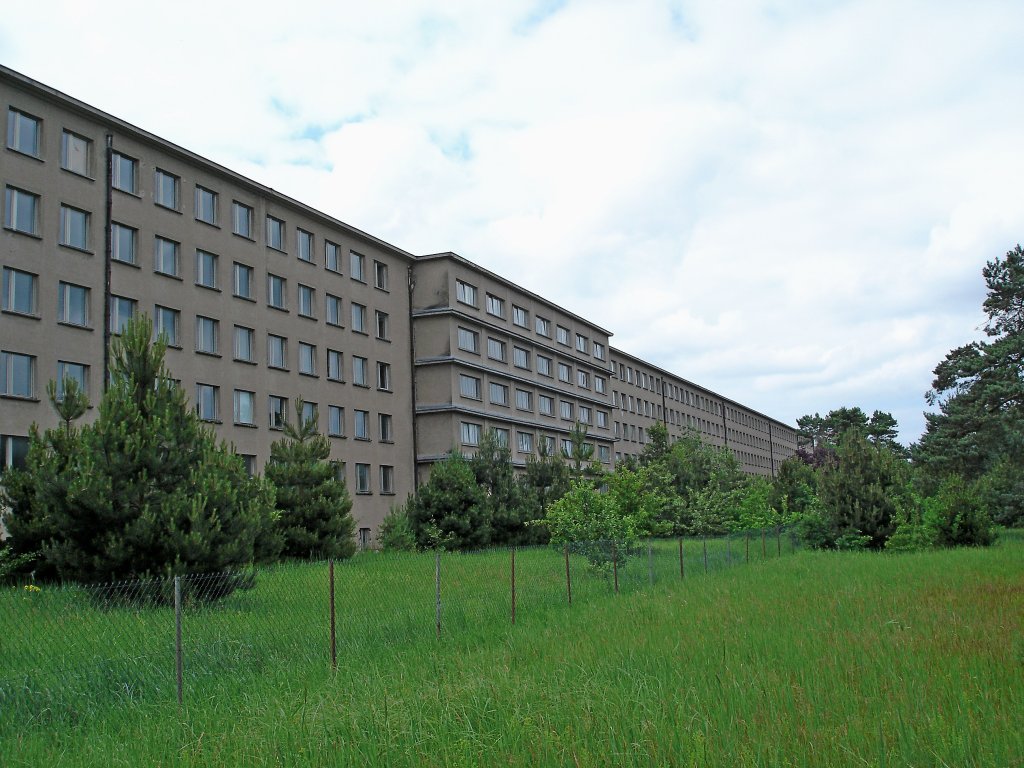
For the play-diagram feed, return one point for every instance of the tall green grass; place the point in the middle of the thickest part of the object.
(817, 659)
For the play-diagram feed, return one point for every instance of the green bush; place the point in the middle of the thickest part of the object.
(957, 516)
(396, 533)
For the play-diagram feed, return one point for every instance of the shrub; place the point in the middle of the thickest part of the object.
(396, 533)
(957, 516)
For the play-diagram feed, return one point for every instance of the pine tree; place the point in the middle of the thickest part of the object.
(314, 506)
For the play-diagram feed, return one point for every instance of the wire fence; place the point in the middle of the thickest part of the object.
(67, 651)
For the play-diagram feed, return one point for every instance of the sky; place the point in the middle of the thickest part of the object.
(789, 203)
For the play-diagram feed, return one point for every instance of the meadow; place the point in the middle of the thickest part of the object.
(808, 659)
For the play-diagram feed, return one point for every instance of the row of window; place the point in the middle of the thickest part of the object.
(471, 433)
(671, 391)
(466, 293)
(471, 387)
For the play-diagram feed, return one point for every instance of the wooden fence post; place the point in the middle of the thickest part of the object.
(334, 638)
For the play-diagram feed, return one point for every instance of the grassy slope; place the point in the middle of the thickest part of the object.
(815, 659)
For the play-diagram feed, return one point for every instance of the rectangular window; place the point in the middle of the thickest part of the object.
(384, 376)
(584, 414)
(383, 325)
(567, 448)
(206, 335)
(332, 308)
(73, 304)
(121, 311)
(206, 269)
(276, 292)
(543, 365)
(206, 205)
(380, 275)
(241, 219)
(387, 479)
(524, 441)
(501, 436)
(21, 211)
(167, 323)
(543, 326)
(520, 317)
(275, 233)
(520, 357)
(362, 425)
(165, 189)
(495, 349)
(604, 453)
(582, 378)
(362, 478)
(335, 363)
(465, 293)
(469, 386)
(76, 156)
(206, 401)
(581, 343)
(360, 371)
(307, 301)
(165, 257)
(13, 452)
(277, 351)
(245, 344)
(602, 419)
(77, 372)
(358, 317)
(74, 228)
(546, 405)
(564, 373)
(126, 173)
(499, 394)
(307, 359)
(357, 266)
(278, 411)
(24, 133)
(599, 351)
(562, 335)
(335, 421)
(245, 407)
(384, 423)
(524, 400)
(305, 245)
(469, 340)
(565, 409)
(17, 374)
(19, 291)
(470, 433)
(495, 306)
(245, 287)
(332, 256)
(600, 385)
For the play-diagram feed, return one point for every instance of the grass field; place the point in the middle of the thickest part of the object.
(814, 659)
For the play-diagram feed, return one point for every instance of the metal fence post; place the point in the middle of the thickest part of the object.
(177, 639)
(764, 550)
(513, 585)
(568, 578)
(334, 639)
(747, 538)
(615, 566)
(437, 592)
(650, 564)
(682, 566)
(778, 535)
(728, 549)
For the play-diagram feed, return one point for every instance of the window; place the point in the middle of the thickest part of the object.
(335, 421)
(358, 318)
(543, 365)
(332, 309)
(357, 266)
(383, 325)
(307, 359)
(520, 317)
(334, 365)
(562, 335)
(21, 211)
(524, 441)
(206, 335)
(166, 323)
(278, 412)
(244, 281)
(564, 373)
(387, 479)
(24, 133)
(206, 205)
(305, 244)
(499, 393)
(582, 378)
(249, 462)
(567, 448)
(332, 256)
(165, 259)
(275, 233)
(309, 414)
(362, 478)
(74, 228)
(276, 291)
(362, 427)
(584, 414)
(17, 374)
(384, 376)
(121, 311)
(524, 400)
(277, 351)
(520, 357)
(245, 344)
(495, 349)
(380, 275)
(19, 291)
(470, 433)
(600, 385)
(469, 386)
(546, 405)
(77, 372)
(543, 326)
(73, 304)
(604, 453)
(469, 340)
(13, 452)
(206, 269)
(206, 401)
(599, 351)
(245, 407)
(495, 306)
(241, 219)
(307, 304)
(465, 293)
(360, 371)
(602, 419)
(384, 424)
(565, 409)
(76, 156)
(501, 436)
(581, 343)
(123, 241)
(165, 189)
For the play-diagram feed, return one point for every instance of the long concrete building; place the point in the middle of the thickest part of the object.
(264, 299)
